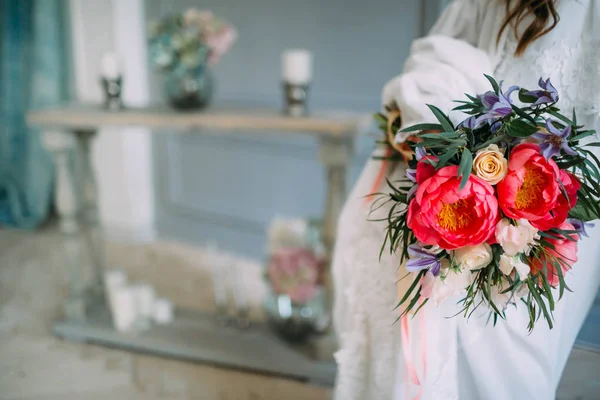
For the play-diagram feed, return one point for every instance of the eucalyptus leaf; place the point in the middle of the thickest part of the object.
(442, 118)
(465, 166)
(423, 127)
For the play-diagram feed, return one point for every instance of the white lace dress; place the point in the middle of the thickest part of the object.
(468, 360)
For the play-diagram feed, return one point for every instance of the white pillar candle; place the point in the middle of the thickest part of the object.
(124, 309)
(163, 311)
(144, 300)
(296, 66)
(111, 66)
(114, 279)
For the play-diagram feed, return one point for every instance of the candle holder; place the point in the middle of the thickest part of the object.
(295, 99)
(113, 88)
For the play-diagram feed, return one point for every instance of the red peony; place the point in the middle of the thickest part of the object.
(441, 214)
(564, 204)
(530, 189)
(565, 250)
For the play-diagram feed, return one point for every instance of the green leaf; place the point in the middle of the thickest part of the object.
(582, 135)
(444, 120)
(440, 135)
(444, 158)
(560, 116)
(526, 98)
(493, 140)
(464, 169)
(423, 127)
(412, 287)
(523, 114)
(519, 128)
(538, 299)
(382, 119)
(582, 213)
(495, 85)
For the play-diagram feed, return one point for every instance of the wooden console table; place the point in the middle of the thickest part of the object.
(74, 126)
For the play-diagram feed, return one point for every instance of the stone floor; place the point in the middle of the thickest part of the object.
(36, 366)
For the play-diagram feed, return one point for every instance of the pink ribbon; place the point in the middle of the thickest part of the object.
(410, 371)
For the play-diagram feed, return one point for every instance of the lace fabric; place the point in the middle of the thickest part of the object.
(573, 68)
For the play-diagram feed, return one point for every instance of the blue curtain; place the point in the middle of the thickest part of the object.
(32, 74)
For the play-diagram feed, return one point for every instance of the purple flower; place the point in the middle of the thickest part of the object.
(468, 123)
(411, 174)
(420, 152)
(580, 226)
(552, 140)
(548, 94)
(421, 259)
(497, 105)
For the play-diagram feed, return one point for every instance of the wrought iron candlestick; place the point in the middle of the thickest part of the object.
(113, 88)
(295, 99)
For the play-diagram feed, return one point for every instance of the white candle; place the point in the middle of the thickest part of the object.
(114, 279)
(163, 311)
(124, 309)
(296, 66)
(111, 66)
(144, 300)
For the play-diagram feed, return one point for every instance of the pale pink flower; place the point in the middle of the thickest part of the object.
(509, 263)
(516, 239)
(294, 272)
(220, 42)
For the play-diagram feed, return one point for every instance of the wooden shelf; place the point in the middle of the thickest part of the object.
(223, 117)
(196, 337)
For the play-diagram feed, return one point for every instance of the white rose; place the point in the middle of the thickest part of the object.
(473, 257)
(516, 239)
(508, 263)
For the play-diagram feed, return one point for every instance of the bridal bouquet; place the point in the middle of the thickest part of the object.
(493, 208)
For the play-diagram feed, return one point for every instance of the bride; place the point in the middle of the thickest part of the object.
(439, 358)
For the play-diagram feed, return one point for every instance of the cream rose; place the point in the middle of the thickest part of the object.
(473, 257)
(490, 165)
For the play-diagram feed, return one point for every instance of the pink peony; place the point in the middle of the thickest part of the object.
(294, 272)
(425, 169)
(530, 189)
(441, 214)
(560, 212)
(564, 249)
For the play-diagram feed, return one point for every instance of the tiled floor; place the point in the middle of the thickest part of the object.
(36, 366)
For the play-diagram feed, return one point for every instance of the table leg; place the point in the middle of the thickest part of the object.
(88, 193)
(61, 144)
(335, 155)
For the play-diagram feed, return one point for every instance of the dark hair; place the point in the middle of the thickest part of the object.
(545, 19)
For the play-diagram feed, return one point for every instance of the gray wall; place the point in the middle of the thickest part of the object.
(227, 189)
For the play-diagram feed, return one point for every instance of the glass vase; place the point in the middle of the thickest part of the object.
(189, 89)
(295, 323)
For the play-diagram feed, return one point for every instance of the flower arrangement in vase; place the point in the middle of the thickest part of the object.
(295, 305)
(184, 46)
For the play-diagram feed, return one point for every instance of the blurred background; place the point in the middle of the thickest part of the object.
(108, 229)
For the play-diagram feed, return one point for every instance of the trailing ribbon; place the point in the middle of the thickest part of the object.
(407, 153)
